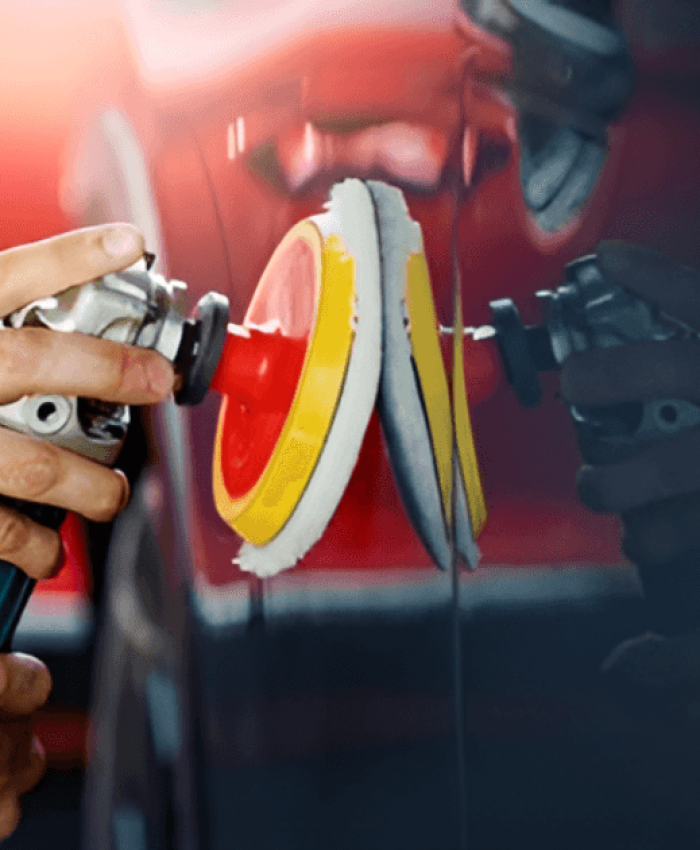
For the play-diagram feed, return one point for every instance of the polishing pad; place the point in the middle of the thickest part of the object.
(470, 502)
(414, 399)
(299, 380)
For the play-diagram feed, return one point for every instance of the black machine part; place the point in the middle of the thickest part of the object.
(570, 59)
(588, 312)
(133, 307)
(572, 75)
(202, 344)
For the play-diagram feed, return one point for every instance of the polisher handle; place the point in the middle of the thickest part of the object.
(15, 585)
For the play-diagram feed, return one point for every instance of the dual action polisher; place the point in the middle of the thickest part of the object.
(342, 321)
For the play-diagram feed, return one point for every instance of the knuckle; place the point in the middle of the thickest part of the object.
(41, 685)
(14, 533)
(115, 366)
(54, 559)
(33, 684)
(41, 557)
(20, 350)
(40, 471)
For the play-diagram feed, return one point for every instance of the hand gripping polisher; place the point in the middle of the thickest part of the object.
(588, 311)
(135, 307)
(299, 378)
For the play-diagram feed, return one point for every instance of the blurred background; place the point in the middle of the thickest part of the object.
(321, 706)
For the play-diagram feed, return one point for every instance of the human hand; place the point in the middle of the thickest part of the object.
(32, 361)
(36, 360)
(657, 492)
(25, 684)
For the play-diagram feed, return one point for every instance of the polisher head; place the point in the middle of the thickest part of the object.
(345, 297)
(292, 424)
(433, 458)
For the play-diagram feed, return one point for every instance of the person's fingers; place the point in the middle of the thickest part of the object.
(33, 770)
(22, 757)
(10, 814)
(674, 288)
(638, 371)
(32, 547)
(16, 736)
(37, 360)
(662, 470)
(660, 532)
(25, 684)
(34, 271)
(39, 471)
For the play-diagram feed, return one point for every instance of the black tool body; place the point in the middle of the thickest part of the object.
(15, 585)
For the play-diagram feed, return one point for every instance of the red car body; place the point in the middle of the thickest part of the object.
(223, 142)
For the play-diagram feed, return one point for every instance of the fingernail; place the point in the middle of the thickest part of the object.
(120, 241)
(160, 376)
(38, 748)
(126, 496)
(126, 491)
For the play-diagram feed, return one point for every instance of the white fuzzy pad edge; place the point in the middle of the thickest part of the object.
(350, 214)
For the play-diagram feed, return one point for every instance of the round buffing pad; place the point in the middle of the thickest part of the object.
(414, 398)
(297, 404)
(470, 502)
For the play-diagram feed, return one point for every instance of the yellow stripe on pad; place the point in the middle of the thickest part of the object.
(263, 512)
(424, 333)
(466, 450)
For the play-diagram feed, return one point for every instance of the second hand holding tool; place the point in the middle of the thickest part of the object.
(584, 313)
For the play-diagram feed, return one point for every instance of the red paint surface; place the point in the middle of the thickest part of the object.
(74, 577)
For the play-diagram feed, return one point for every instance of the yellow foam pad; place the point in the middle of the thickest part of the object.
(424, 333)
(264, 510)
(468, 463)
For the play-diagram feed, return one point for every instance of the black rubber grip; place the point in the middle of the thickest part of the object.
(15, 585)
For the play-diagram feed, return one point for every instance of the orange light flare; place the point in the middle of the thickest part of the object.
(48, 54)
